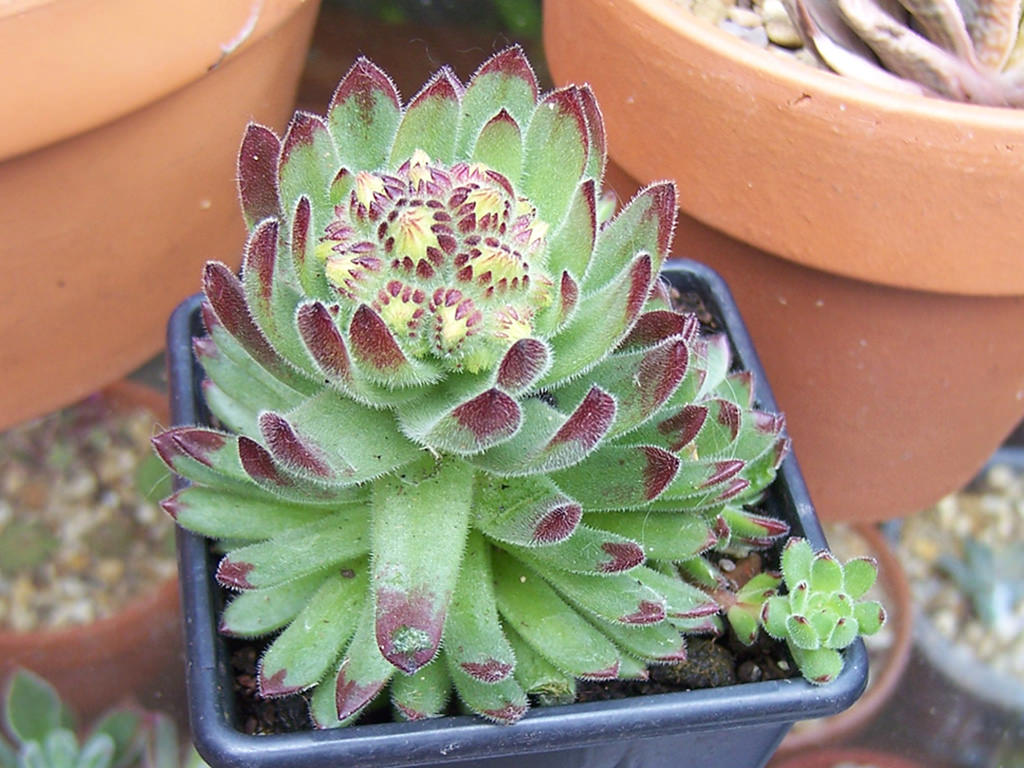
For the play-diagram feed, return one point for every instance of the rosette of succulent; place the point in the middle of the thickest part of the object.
(467, 435)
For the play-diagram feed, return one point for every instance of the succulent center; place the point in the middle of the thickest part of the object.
(450, 257)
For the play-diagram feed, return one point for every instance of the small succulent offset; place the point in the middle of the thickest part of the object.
(42, 731)
(966, 50)
(821, 612)
(470, 436)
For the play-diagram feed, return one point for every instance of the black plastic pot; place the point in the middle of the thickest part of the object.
(737, 726)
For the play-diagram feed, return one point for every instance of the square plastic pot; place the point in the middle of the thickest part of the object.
(738, 726)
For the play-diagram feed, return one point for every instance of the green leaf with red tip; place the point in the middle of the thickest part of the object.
(602, 320)
(272, 293)
(797, 557)
(505, 82)
(307, 263)
(308, 163)
(744, 623)
(529, 511)
(302, 655)
(738, 387)
(698, 571)
(473, 638)
(226, 298)
(819, 666)
(325, 439)
(500, 145)
(753, 529)
(720, 429)
(826, 573)
(502, 702)
(380, 357)
(699, 483)
(587, 550)
(219, 514)
(326, 345)
(431, 121)
(801, 633)
(362, 675)
(633, 669)
(655, 326)
(674, 429)
(553, 317)
(539, 677)
(683, 600)
(843, 633)
(251, 386)
(299, 551)
(663, 537)
(257, 174)
(571, 242)
(653, 643)
(619, 477)
(713, 357)
(423, 694)
(271, 477)
(463, 415)
(363, 116)
(641, 382)
(870, 616)
(524, 362)
(644, 225)
(596, 134)
(859, 575)
(548, 439)
(258, 612)
(411, 584)
(204, 456)
(556, 149)
(548, 624)
(620, 598)
(232, 414)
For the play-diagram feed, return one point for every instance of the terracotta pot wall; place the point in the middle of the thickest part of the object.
(104, 233)
(870, 378)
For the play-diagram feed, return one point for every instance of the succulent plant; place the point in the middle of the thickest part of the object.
(821, 612)
(469, 435)
(964, 50)
(42, 730)
(992, 579)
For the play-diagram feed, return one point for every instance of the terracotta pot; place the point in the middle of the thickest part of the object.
(886, 668)
(117, 164)
(136, 652)
(863, 223)
(831, 758)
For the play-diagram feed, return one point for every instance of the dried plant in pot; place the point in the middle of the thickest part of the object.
(848, 220)
(471, 446)
(88, 584)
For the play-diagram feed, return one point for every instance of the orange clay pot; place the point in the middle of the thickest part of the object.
(846, 756)
(136, 652)
(121, 122)
(872, 241)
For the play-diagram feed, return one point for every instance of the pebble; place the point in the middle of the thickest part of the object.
(778, 26)
(74, 472)
(992, 511)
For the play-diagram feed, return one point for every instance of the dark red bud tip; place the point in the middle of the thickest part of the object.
(350, 697)
(232, 574)
(507, 715)
(624, 554)
(171, 506)
(557, 524)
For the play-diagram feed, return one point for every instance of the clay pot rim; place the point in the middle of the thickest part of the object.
(162, 595)
(52, 111)
(901, 614)
(795, 74)
(791, 128)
